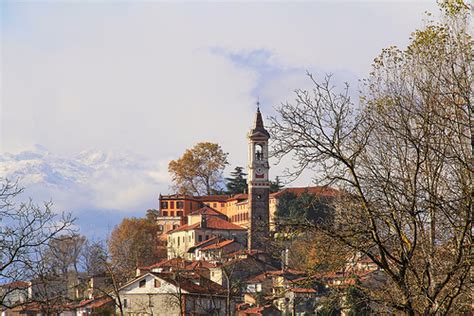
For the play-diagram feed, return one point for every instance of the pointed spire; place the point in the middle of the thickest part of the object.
(258, 118)
(258, 123)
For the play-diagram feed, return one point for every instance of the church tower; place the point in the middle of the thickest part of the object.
(258, 184)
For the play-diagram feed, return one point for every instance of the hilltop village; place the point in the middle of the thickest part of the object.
(221, 260)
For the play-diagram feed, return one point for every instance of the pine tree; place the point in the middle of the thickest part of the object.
(276, 185)
(237, 183)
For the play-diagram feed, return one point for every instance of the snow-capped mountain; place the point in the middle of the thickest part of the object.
(90, 179)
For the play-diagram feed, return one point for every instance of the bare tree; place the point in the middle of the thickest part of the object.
(25, 230)
(404, 158)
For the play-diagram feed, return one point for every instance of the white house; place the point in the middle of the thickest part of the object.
(173, 294)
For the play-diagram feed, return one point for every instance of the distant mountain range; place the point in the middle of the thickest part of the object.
(90, 181)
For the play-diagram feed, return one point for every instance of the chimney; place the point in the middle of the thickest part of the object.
(203, 221)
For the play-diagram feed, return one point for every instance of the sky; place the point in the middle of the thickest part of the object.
(140, 82)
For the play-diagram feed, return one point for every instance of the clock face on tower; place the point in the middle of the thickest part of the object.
(259, 173)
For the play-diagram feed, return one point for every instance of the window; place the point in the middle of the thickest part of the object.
(160, 228)
(207, 237)
(157, 283)
(191, 206)
(172, 205)
(179, 213)
(125, 303)
(164, 205)
(258, 152)
(142, 283)
(175, 226)
(178, 241)
(222, 204)
(164, 213)
(199, 238)
(179, 205)
(214, 205)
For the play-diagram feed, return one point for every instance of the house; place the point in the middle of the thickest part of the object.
(187, 236)
(102, 305)
(266, 310)
(218, 249)
(14, 293)
(97, 285)
(173, 294)
(175, 208)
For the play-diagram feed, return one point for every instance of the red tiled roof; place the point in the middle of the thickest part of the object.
(287, 271)
(201, 264)
(207, 210)
(218, 223)
(302, 290)
(212, 222)
(238, 197)
(245, 252)
(16, 285)
(218, 245)
(175, 262)
(184, 227)
(95, 303)
(188, 285)
(203, 198)
(253, 310)
(316, 190)
(212, 198)
(199, 244)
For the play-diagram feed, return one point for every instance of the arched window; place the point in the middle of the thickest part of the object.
(258, 152)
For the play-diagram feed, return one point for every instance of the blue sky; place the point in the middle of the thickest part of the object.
(154, 78)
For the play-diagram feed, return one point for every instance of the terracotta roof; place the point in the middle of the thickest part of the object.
(253, 310)
(201, 264)
(218, 223)
(207, 210)
(257, 310)
(212, 198)
(258, 278)
(203, 198)
(184, 227)
(245, 252)
(212, 222)
(220, 244)
(287, 272)
(302, 290)
(238, 197)
(175, 262)
(204, 242)
(191, 287)
(16, 285)
(95, 303)
(316, 190)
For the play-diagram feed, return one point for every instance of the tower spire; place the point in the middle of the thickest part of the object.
(258, 126)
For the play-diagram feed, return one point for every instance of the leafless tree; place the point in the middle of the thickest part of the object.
(404, 158)
(25, 230)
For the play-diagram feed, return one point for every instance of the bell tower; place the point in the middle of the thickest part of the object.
(258, 184)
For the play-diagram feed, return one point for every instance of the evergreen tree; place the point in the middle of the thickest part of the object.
(303, 208)
(237, 183)
(276, 185)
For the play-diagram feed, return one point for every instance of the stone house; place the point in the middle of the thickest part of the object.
(173, 294)
(207, 227)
